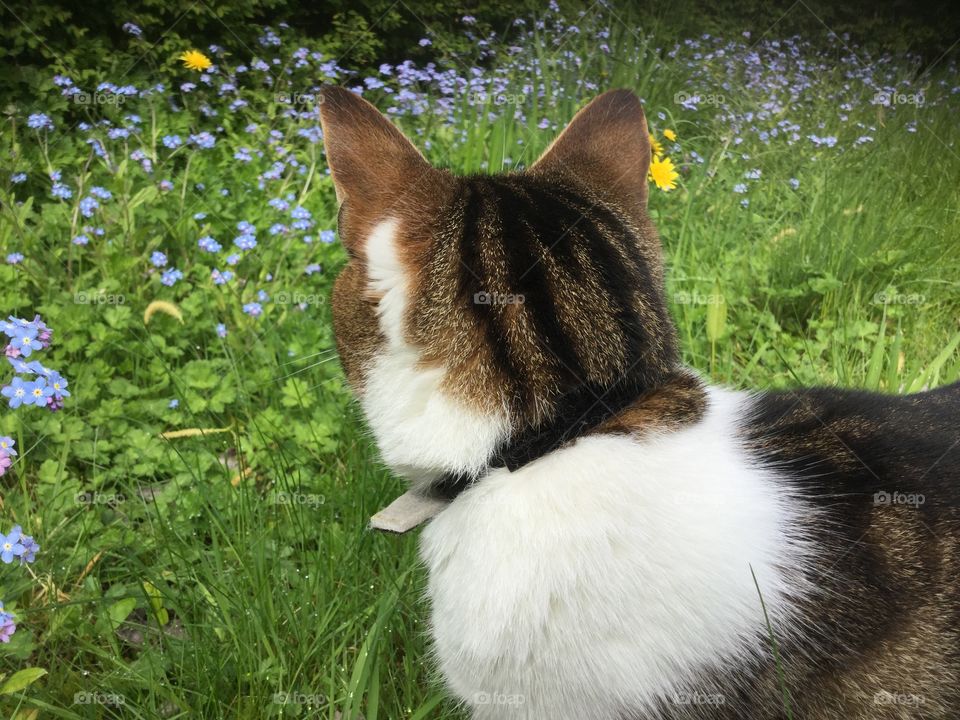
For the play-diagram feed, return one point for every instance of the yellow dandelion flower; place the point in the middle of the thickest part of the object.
(670, 135)
(663, 174)
(195, 60)
(655, 147)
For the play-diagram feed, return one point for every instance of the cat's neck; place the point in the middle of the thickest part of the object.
(679, 401)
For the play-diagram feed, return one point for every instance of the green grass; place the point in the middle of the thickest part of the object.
(204, 590)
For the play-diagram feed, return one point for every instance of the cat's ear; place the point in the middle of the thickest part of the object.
(607, 145)
(371, 161)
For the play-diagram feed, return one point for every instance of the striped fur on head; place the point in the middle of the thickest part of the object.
(535, 291)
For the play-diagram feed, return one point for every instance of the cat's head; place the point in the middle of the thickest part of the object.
(474, 309)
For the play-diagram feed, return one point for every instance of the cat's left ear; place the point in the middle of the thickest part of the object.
(606, 145)
(371, 161)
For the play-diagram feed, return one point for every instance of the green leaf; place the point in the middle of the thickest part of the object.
(876, 358)
(155, 597)
(296, 393)
(716, 313)
(424, 710)
(21, 680)
(120, 611)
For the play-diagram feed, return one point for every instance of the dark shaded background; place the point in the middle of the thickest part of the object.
(68, 35)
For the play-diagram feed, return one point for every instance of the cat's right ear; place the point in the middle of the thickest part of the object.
(607, 145)
(371, 161)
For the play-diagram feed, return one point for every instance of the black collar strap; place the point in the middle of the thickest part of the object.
(581, 411)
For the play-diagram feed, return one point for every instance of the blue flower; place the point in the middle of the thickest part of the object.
(16, 392)
(18, 178)
(233, 259)
(221, 330)
(97, 146)
(740, 188)
(81, 240)
(58, 384)
(173, 404)
(101, 193)
(14, 258)
(30, 549)
(208, 244)
(25, 341)
(61, 191)
(170, 277)
(327, 236)
(158, 259)
(132, 29)
(200, 216)
(6, 446)
(87, 206)
(35, 368)
(221, 278)
(245, 242)
(254, 309)
(794, 183)
(39, 393)
(752, 174)
(10, 546)
(19, 365)
(172, 141)
(203, 140)
(313, 268)
(39, 121)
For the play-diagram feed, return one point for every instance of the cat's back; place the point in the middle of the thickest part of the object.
(862, 441)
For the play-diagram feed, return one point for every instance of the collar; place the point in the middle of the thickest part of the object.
(580, 412)
(679, 400)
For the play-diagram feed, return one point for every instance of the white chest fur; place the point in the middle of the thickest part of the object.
(612, 573)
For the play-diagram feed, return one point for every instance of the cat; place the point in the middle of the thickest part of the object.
(621, 540)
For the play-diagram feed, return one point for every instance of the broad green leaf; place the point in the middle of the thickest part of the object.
(21, 679)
